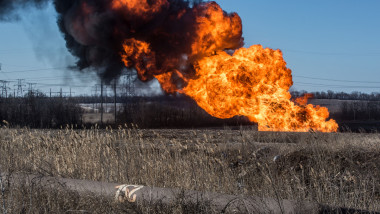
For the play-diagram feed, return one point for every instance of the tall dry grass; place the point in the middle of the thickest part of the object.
(339, 169)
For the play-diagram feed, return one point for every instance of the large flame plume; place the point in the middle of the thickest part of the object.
(253, 82)
(193, 48)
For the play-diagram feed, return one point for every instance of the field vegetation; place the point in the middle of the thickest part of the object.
(337, 169)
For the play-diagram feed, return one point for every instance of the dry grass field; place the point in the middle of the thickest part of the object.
(338, 169)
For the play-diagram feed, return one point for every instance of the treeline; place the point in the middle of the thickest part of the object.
(359, 110)
(374, 96)
(35, 110)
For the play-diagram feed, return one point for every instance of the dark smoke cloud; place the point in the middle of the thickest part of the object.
(94, 34)
(9, 8)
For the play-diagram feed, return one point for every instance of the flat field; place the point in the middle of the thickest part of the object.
(337, 169)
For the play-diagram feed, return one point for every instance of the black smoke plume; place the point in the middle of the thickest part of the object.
(95, 33)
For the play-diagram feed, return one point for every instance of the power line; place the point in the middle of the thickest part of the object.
(23, 49)
(17, 66)
(335, 80)
(59, 77)
(41, 85)
(333, 53)
(335, 86)
(40, 69)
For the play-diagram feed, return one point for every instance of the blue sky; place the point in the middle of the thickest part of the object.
(329, 45)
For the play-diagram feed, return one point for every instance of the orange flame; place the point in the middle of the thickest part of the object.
(139, 55)
(303, 100)
(254, 82)
(166, 82)
(215, 31)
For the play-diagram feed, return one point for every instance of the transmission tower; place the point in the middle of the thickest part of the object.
(20, 84)
(130, 84)
(4, 88)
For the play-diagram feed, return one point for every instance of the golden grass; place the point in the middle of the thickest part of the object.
(339, 169)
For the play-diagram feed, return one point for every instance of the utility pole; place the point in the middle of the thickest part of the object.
(96, 95)
(97, 86)
(101, 102)
(114, 99)
(94, 98)
(105, 92)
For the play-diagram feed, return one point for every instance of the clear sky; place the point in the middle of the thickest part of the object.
(328, 44)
